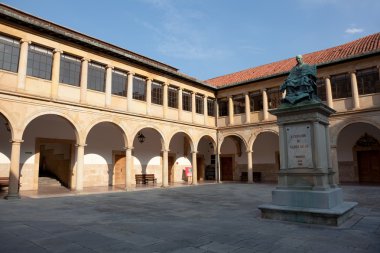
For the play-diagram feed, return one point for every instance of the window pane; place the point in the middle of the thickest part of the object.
(173, 97)
(256, 101)
(223, 107)
(157, 93)
(39, 62)
(119, 83)
(70, 70)
(96, 77)
(139, 88)
(199, 104)
(211, 107)
(239, 104)
(321, 89)
(186, 101)
(274, 97)
(368, 81)
(341, 86)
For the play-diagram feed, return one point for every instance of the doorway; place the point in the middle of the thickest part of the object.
(119, 169)
(171, 160)
(369, 166)
(226, 169)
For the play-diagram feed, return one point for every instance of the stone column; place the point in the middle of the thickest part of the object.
(217, 166)
(230, 110)
(14, 173)
(80, 166)
(250, 166)
(130, 91)
(83, 80)
(166, 88)
(216, 111)
(165, 179)
(205, 110)
(247, 109)
(354, 91)
(55, 73)
(128, 167)
(335, 164)
(193, 110)
(194, 163)
(329, 98)
(108, 85)
(180, 103)
(148, 95)
(23, 62)
(265, 105)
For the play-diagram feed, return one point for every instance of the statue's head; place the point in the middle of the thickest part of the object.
(299, 59)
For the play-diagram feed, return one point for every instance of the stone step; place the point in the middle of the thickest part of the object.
(48, 181)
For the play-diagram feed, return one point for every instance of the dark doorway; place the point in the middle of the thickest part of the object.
(369, 166)
(226, 168)
(171, 169)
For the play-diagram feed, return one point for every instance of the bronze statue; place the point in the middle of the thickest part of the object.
(301, 84)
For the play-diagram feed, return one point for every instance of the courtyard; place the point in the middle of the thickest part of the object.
(204, 218)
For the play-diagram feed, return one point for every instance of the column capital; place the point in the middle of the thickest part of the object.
(128, 148)
(326, 77)
(85, 59)
(165, 84)
(131, 73)
(19, 141)
(149, 79)
(264, 89)
(80, 145)
(109, 66)
(249, 151)
(165, 150)
(25, 40)
(180, 88)
(194, 152)
(56, 50)
(352, 71)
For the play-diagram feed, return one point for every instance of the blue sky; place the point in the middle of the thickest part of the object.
(209, 38)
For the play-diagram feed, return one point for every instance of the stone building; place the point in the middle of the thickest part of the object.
(88, 113)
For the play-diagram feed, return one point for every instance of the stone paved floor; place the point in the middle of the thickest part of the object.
(206, 218)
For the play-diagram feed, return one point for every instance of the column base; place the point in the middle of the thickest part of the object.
(12, 196)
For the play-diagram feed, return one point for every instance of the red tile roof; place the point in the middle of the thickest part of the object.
(363, 46)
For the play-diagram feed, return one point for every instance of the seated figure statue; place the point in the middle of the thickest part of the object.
(300, 85)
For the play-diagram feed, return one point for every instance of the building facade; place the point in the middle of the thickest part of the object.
(91, 114)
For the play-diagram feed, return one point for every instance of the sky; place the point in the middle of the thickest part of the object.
(210, 38)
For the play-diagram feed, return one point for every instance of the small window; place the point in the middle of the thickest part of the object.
(211, 107)
(256, 101)
(223, 107)
(40, 62)
(368, 81)
(96, 77)
(139, 88)
(70, 68)
(341, 86)
(199, 104)
(321, 89)
(9, 53)
(173, 97)
(119, 83)
(186, 101)
(274, 97)
(157, 93)
(239, 104)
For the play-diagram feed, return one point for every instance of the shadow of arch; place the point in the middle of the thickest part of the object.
(237, 139)
(107, 121)
(187, 136)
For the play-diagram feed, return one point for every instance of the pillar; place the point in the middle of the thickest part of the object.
(166, 87)
(193, 110)
(128, 167)
(216, 111)
(265, 105)
(205, 110)
(231, 110)
(108, 85)
(250, 166)
(247, 108)
(165, 179)
(83, 80)
(130, 91)
(180, 103)
(194, 163)
(14, 173)
(354, 91)
(55, 73)
(148, 95)
(329, 98)
(22, 66)
(80, 166)
(335, 164)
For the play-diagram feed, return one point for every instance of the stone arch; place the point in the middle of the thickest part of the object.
(11, 124)
(99, 121)
(253, 138)
(235, 135)
(77, 132)
(139, 128)
(337, 129)
(188, 136)
(196, 144)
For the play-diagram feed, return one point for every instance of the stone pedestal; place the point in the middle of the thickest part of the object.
(306, 190)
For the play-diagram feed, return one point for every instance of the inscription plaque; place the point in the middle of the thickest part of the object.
(299, 146)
